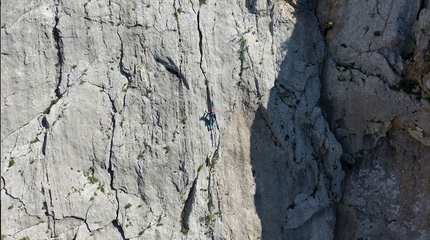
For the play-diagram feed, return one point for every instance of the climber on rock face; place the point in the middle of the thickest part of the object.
(212, 118)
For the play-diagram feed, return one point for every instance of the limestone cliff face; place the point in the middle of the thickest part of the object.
(376, 82)
(103, 134)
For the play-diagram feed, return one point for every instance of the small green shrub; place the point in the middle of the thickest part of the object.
(243, 47)
(25, 238)
(141, 155)
(93, 179)
(209, 218)
(284, 95)
(200, 168)
(184, 230)
(128, 205)
(35, 140)
(142, 231)
(90, 176)
(47, 110)
(101, 187)
(53, 102)
(184, 120)
(11, 162)
(10, 207)
(206, 82)
(376, 33)
(159, 223)
(213, 162)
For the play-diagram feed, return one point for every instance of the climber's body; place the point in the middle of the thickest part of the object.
(212, 118)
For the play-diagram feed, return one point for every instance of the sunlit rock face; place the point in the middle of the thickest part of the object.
(322, 130)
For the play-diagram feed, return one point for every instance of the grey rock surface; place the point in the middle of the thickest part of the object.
(376, 96)
(103, 133)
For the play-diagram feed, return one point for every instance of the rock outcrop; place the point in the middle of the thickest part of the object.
(104, 136)
(375, 91)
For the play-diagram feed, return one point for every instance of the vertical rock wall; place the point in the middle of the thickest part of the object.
(376, 82)
(103, 134)
(102, 129)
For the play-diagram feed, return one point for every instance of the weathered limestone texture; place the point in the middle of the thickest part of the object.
(102, 130)
(103, 134)
(376, 94)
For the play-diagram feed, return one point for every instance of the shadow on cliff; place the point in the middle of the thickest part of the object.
(274, 139)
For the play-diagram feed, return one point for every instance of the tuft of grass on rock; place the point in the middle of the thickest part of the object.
(159, 223)
(200, 168)
(11, 162)
(141, 155)
(142, 231)
(184, 120)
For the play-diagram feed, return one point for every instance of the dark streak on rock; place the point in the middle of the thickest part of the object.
(110, 169)
(119, 227)
(186, 211)
(122, 69)
(173, 69)
(46, 126)
(59, 45)
(200, 43)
